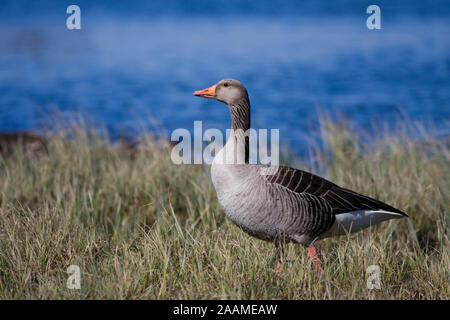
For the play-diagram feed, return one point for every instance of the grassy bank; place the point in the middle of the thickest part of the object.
(140, 227)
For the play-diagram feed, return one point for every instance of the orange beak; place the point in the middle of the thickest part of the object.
(207, 93)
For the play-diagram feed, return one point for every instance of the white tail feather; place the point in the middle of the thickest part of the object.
(355, 221)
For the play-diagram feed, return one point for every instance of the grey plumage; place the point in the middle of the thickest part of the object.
(289, 204)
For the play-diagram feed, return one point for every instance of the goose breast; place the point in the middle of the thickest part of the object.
(264, 210)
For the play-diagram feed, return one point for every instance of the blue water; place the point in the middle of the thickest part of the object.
(134, 65)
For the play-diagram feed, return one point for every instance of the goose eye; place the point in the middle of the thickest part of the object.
(225, 84)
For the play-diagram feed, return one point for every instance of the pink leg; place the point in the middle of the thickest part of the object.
(279, 268)
(279, 254)
(312, 252)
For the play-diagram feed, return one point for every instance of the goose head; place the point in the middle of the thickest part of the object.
(228, 91)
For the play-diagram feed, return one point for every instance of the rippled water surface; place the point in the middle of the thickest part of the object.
(127, 72)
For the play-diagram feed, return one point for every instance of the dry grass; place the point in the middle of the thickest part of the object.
(141, 227)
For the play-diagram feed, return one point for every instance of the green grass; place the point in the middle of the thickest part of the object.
(140, 227)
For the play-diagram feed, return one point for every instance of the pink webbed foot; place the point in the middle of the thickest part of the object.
(312, 252)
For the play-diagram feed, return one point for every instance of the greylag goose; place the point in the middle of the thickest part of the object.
(288, 205)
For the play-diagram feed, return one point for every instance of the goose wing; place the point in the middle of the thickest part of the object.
(340, 199)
